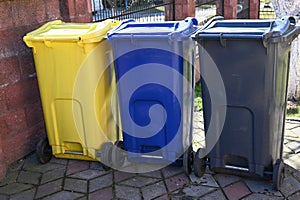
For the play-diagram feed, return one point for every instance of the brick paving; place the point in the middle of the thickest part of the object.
(71, 179)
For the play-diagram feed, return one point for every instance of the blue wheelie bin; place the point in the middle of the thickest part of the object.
(155, 75)
(252, 60)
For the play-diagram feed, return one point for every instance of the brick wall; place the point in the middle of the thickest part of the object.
(21, 116)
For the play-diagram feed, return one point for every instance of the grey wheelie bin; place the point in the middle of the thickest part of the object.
(244, 132)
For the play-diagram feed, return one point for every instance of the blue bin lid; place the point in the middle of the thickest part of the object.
(175, 29)
(247, 29)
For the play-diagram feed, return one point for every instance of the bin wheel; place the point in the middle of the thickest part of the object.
(118, 157)
(106, 151)
(199, 164)
(188, 158)
(43, 151)
(278, 174)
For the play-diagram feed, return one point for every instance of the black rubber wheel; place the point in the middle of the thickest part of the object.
(199, 164)
(278, 174)
(106, 151)
(188, 158)
(118, 154)
(43, 151)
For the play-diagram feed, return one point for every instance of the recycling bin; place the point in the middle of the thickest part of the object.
(154, 64)
(76, 80)
(244, 131)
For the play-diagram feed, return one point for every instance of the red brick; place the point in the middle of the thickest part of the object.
(10, 70)
(236, 191)
(3, 127)
(5, 17)
(52, 9)
(81, 7)
(27, 66)
(178, 12)
(72, 7)
(3, 165)
(15, 121)
(21, 93)
(3, 106)
(34, 114)
(23, 12)
(41, 14)
(19, 145)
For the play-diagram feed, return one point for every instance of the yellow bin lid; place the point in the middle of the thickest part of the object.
(81, 32)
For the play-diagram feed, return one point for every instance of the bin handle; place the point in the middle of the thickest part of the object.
(206, 25)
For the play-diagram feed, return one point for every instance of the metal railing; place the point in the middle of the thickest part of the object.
(140, 10)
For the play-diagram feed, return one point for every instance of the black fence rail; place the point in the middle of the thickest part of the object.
(140, 10)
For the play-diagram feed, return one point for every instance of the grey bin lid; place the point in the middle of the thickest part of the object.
(271, 30)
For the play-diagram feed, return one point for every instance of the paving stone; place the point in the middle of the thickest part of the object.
(290, 185)
(120, 176)
(31, 162)
(176, 182)
(171, 171)
(263, 187)
(293, 161)
(163, 197)
(153, 191)
(29, 177)
(28, 194)
(295, 196)
(14, 188)
(4, 197)
(294, 146)
(10, 177)
(43, 168)
(74, 167)
(96, 166)
(296, 130)
(182, 197)
(256, 196)
(16, 166)
(75, 185)
(78, 166)
(63, 195)
(297, 175)
(289, 170)
(83, 198)
(139, 181)
(59, 160)
(205, 180)
(88, 174)
(100, 182)
(289, 125)
(236, 191)
(216, 195)
(226, 179)
(130, 193)
(153, 174)
(49, 188)
(197, 191)
(53, 175)
(287, 150)
(106, 194)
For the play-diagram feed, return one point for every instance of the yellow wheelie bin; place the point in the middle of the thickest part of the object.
(77, 82)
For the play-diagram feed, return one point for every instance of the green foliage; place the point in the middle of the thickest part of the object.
(198, 99)
(293, 111)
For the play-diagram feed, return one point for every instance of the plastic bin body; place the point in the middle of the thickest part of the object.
(150, 45)
(69, 60)
(252, 57)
